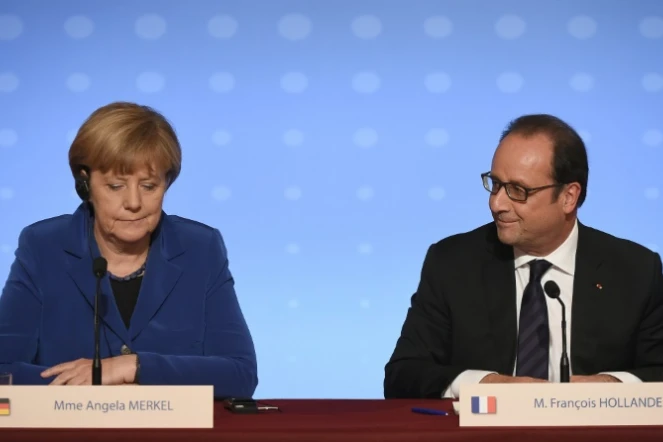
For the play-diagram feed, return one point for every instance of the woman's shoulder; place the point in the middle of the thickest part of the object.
(46, 234)
(53, 226)
(191, 229)
(57, 226)
(188, 225)
(195, 234)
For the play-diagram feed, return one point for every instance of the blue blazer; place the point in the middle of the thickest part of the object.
(187, 327)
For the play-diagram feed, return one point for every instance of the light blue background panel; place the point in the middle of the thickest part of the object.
(332, 142)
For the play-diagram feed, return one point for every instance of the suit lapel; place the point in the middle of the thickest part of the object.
(79, 252)
(161, 276)
(499, 289)
(590, 271)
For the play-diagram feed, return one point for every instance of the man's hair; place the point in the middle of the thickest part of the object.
(569, 164)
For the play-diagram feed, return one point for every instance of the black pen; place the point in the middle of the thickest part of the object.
(429, 411)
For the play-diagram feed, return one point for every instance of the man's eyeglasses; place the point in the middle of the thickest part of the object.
(514, 191)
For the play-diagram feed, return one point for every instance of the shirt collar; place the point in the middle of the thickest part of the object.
(564, 257)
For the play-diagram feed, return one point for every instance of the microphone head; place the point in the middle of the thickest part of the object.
(552, 289)
(99, 267)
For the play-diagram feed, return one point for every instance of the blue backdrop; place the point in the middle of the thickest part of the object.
(332, 141)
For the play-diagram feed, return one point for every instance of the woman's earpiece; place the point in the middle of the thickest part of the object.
(82, 182)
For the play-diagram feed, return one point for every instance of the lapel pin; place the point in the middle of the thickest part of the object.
(599, 286)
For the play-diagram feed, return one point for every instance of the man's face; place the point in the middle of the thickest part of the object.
(535, 225)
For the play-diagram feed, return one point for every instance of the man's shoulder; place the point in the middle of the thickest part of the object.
(472, 244)
(469, 239)
(617, 247)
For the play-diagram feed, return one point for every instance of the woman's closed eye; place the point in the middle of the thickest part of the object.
(116, 187)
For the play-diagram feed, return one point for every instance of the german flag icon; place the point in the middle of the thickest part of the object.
(4, 407)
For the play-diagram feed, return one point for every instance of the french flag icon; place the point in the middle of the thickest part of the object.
(484, 405)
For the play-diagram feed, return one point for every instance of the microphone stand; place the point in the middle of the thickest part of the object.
(96, 362)
(99, 268)
(564, 363)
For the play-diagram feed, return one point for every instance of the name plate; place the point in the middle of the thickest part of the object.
(129, 406)
(561, 405)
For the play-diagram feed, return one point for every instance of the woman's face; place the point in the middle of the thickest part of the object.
(127, 208)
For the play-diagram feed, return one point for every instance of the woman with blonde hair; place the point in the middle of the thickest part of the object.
(168, 310)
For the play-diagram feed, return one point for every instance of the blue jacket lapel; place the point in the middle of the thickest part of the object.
(79, 251)
(161, 275)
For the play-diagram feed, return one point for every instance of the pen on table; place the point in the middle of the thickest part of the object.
(429, 411)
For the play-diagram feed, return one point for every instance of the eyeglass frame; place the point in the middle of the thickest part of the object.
(528, 190)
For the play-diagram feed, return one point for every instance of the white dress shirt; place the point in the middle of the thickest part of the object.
(563, 261)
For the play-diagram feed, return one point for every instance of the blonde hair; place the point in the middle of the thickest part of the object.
(122, 137)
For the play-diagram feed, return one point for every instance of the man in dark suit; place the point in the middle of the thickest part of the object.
(480, 314)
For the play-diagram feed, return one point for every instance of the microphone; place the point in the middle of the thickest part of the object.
(552, 290)
(99, 267)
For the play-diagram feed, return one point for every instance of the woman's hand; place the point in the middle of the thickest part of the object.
(114, 371)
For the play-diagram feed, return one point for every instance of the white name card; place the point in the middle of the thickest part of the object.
(106, 406)
(559, 405)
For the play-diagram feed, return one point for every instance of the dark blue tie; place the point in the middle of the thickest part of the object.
(533, 332)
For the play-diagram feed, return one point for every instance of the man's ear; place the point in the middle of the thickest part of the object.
(570, 196)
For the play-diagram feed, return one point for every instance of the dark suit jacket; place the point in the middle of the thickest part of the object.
(187, 327)
(463, 315)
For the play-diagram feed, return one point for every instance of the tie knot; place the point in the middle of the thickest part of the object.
(537, 268)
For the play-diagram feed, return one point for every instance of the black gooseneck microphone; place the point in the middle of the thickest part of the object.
(99, 267)
(552, 290)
